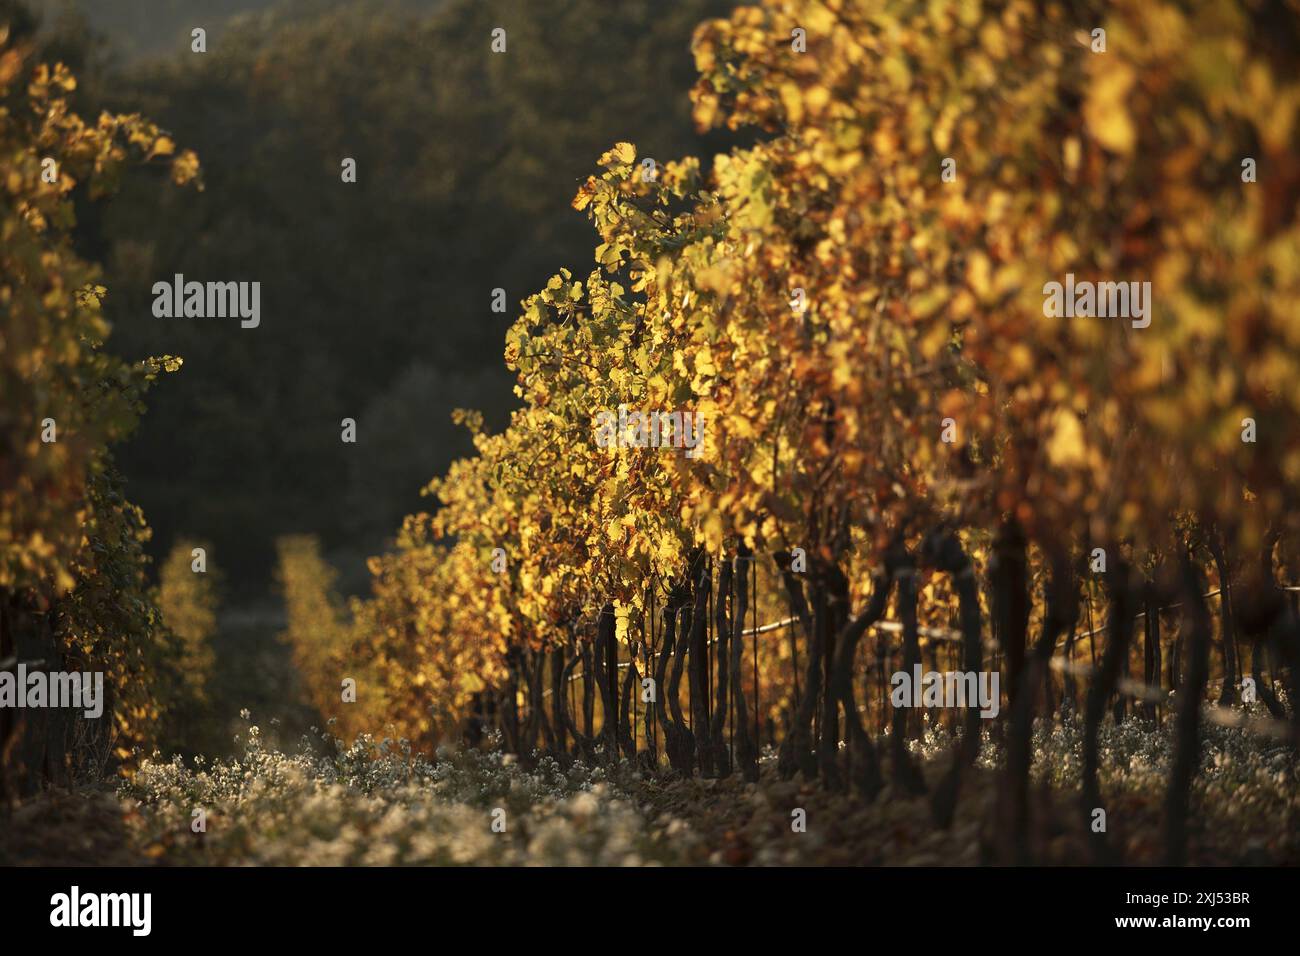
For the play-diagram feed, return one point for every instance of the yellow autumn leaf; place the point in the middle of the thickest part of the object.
(1106, 112)
(792, 100)
(704, 362)
(624, 153)
(1065, 447)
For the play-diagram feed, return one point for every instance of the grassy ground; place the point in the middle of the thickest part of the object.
(377, 804)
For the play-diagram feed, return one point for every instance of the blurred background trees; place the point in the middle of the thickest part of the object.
(376, 296)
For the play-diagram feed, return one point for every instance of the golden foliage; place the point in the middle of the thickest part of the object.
(919, 300)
